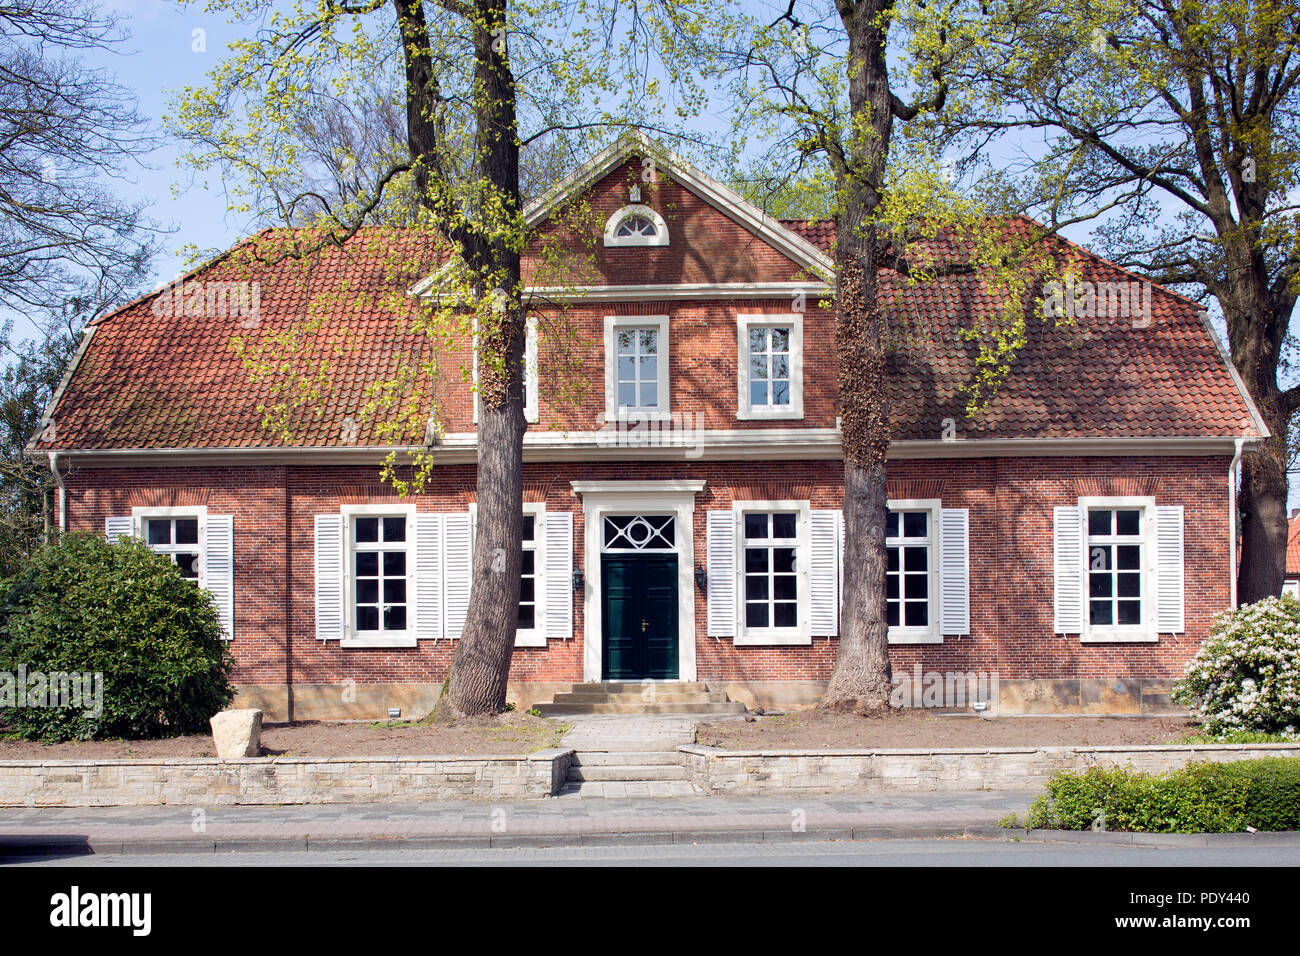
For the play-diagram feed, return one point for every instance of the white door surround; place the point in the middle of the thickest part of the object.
(601, 498)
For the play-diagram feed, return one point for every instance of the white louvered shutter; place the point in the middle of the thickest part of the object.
(1067, 549)
(558, 572)
(457, 564)
(954, 571)
(1169, 569)
(721, 557)
(118, 526)
(219, 568)
(329, 577)
(823, 573)
(428, 576)
(839, 563)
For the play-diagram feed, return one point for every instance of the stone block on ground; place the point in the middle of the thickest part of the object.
(237, 733)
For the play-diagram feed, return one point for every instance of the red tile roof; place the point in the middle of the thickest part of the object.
(170, 380)
(1293, 548)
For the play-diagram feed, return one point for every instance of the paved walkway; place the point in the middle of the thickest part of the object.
(637, 733)
(553, 822)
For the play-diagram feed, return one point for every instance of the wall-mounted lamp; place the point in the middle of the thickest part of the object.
(701, 578)
(578, 581)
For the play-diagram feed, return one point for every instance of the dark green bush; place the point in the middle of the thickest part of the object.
(85, 606)
(1199, 798)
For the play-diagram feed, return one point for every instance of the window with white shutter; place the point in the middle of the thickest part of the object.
(219, 568)
(1118, 571)
(428, 576)
(912, 575)
(456, 572)
(776, 569)
(823, 590)
(954, 571)
(558, 584)
(1169, 565)
(329, 577)
(720, 546)
(1067, 570)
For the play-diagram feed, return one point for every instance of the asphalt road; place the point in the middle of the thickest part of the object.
(918, 852)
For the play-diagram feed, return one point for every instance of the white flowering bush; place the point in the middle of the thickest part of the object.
(1246, 676)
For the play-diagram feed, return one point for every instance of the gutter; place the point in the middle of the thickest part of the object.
(1232, 525)
(63, 492)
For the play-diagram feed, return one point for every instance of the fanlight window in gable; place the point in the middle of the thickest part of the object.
(636, 225)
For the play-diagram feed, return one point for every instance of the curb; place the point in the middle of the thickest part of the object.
(1118, 838)
(15, 848)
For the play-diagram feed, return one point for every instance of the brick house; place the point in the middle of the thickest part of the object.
(681, 514)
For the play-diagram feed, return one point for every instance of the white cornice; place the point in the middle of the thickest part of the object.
(756, 444)
(679, 290)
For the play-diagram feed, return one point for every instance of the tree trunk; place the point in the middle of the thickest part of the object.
(481, 665)
(1262, 503)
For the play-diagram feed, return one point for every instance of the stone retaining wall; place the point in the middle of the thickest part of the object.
(875, 771)
(278, 780)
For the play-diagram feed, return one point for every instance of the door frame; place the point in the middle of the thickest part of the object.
(600, 498)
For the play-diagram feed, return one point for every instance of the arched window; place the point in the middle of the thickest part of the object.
(636, 225)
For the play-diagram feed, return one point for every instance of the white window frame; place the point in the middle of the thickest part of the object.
(613, 412)
(1144, 633)
(351, 638)
(142, 514)
(744, 410)
(536, 635)
(530, 370)
(775, 636)
(929, 634)
(636, 209)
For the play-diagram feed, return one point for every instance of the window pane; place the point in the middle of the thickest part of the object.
(394, 529)
(649, 395)
(784, 525)
(891, 614)
(395, 590)
(915, 524)
(159, 531)
(756, 587)
(755, 560)
(1099, 585)
(891, 525)
(757, 340)
(189, 565)
(1129, 557)
(1130, 612)
(367, 618)
(786, 614)
(891, 587)
(187, 530)
(1099, 558)
(1129, 585)
(627, 395)
(626, 368)
(1126, 522)
(367, 530)
(785, 587)
(528, 563)
(780, 340)
(1099, 612)
(917, 586)
(783, 560)
(780, 366)
(395, 618)
(648, 368)
(394, 563)
(757, 394)
(527, 590)
(625, 340)
(756, 615)
(915, 559)
(1098, 522)
(758, 367)
(530, 527)
(756, 526)
(649, 341)
(917, 614)
(527, 617)
(367, 563)
(368, 591)
(780, 393)
(891, 559)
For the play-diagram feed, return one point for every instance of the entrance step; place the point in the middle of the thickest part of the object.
(627, 774)
(623, 697)
(682, 707)
(628, 758)
(644, 773)
(634, 790)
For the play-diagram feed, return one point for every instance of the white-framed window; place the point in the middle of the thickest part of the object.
(770, 374)
(178, 533)
(531, 630)
(1118, 554)
(379, 575)
(911, 572)
(530, 382)
(773, 547)
(636, 225)
(636, 367)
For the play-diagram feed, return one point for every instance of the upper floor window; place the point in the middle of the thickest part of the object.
(770, 376)
(636, 225)
(636, 366)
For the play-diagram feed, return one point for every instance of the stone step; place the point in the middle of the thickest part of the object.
(625, 758)
(659, 697)
(685, 707)
(626, 773)
(629, 687)
(637, 789)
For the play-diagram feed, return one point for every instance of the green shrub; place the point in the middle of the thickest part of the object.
(1199, 798)
(84, 606)
(1246, 676)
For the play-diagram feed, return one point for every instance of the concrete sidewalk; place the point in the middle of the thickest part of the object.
(539, 823)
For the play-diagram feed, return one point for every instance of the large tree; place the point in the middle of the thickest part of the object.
(821, 93)
(1170, 127)
(472, 74)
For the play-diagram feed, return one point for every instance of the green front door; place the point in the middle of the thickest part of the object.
(639, 619)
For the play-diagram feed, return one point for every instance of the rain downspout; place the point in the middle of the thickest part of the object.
(63, 492)
(1232, 523)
